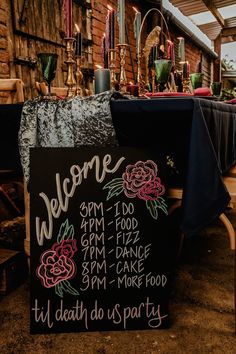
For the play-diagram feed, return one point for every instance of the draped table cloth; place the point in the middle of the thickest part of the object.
(200, 136)
(195, 137)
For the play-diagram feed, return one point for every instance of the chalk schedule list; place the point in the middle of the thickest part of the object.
(99, 240)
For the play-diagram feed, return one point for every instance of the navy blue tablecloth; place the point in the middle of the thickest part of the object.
(200, 136)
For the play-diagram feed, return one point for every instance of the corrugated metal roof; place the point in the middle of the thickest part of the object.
(213, 29)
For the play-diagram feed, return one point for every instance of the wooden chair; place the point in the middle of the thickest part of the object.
(13, 90)
(230, 183)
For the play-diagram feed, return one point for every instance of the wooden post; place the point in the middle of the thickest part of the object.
(217, 62)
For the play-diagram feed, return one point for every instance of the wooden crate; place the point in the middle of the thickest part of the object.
(13, 270)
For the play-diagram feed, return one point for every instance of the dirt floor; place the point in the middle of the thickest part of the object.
(201, 309)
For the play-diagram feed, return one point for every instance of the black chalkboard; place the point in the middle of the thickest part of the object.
(99, 240)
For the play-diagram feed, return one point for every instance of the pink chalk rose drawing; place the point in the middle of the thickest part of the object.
(56, 264)
(140, 181)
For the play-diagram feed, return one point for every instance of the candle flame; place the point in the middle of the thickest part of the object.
(135, 10)
(169, 41)
(77, 27)
(98, 66)
(131, 83)
(109, 8)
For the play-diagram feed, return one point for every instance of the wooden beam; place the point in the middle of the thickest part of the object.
(211, 6)
(229, 31)
(228, 39)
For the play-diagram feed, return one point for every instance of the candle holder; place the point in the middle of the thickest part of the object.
(122, 53)
(79, 77)
(153, 74)
(112, 66)
(140, 81)
(186, 82)
(70, 80)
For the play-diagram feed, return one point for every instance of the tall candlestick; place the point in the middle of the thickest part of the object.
(67, 8)
(137, 26)
(181, 49)
(121, 20)
(70, 80)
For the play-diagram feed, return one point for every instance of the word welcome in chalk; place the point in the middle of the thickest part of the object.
(66, 189)
(119, 315)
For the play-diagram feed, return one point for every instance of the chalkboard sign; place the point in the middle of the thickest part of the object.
(99, 240)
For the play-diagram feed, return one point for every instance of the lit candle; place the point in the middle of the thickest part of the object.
(67, 7)
(121, 19)
(102, 80)
(181, 49)
(78, 43)
(132, 89)
(137, 26)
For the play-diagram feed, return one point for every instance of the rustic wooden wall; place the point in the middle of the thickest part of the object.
(30, 27)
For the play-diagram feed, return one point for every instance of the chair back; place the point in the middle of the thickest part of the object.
(11, 90)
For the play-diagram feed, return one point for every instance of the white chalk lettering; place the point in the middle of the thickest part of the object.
(140, 252)
(125, 238)
(133, 281)
(55, 206)
(42, 315)
(92, 224)
(123, 208)
(76, 313)
(93, 282)
(92, 239)
(97, 313)
(91, 252)
(126, 224)
(155, 280)
(94, 267)
(135, 266)
(91, 209)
